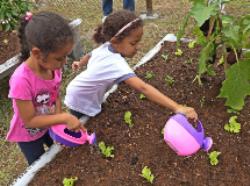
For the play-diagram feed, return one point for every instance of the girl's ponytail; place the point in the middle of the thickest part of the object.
(25, 52)
(98, 35)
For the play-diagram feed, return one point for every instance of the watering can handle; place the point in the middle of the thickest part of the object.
(200, 127)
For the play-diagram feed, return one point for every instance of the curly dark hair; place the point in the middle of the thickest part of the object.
(113, 23)
(45, 30)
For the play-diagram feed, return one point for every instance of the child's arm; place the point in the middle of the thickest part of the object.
(76, 65)
(58, 105)
(155, 95)
(31, 120)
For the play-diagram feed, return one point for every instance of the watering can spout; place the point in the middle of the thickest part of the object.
(207, 144)
(91, 138)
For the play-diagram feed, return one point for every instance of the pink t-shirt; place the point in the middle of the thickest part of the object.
(26, 85)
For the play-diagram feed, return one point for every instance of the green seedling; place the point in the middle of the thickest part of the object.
(162, 131)
(189, 61)
(107, 151)
(142, 96)
(164, 57)
(169, 80)
(191, 44)
(178, 52)
(149, 75)
(233, 111)
(202, 101)
(233, 126)
(69, 181)
(221, 61)
(147, 174)
(128, 119)
(213, 157)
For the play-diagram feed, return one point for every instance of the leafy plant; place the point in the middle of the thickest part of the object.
(10, 12)
(233, 126)
(164, 57)
(213, 157)
(128, 119)
(69, 181)
(149, 75)
(191, 44)
(178, 52)
(107, 151)
(216, 31)
(142, 96)
(147, 174)
(169, 80)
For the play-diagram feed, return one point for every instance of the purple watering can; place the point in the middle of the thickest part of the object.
(183, 138)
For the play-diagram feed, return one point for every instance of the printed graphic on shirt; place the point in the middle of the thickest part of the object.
(45, 103)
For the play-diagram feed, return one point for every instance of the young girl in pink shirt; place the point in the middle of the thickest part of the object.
(46, 40)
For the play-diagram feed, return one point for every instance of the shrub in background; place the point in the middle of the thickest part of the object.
(10, 12)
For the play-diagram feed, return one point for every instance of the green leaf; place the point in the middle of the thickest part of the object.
(205, 55)
(232, 35)
(149, 75)
(142, 96)
(233, 126)
(178, 52)
(213, 157)
(147, 174)
(128, 119)
(191, 44)
(164, 57)
(236, 86)
(107, 151)
(201, 12)
(69, 181)
(169, 80)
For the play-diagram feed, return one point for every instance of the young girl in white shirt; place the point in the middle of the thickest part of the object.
(106, 66)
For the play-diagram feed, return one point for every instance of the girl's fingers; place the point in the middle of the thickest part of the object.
(83, 128)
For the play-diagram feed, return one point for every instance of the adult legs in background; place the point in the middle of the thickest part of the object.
(107, 7)
(129, 5)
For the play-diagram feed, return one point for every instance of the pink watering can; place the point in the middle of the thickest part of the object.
(62, 135)
(183, 138)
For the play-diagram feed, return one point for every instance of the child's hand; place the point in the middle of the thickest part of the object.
(189, 112)
(76, 65)
(73, 123)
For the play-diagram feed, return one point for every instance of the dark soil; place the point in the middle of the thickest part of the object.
(143, 144)
(9, 45)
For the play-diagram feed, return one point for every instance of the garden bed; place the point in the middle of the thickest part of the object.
(9, 45)
(143, 144)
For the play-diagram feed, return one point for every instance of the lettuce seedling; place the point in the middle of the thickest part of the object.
(164, 57)
(178, 52)
(169, 80)
(128, 119)
(69, 181)
(142, 96)
(149, 75)
(191, 44)
(213, 157)
(147, 174)
(233, 126)
(107, 151)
